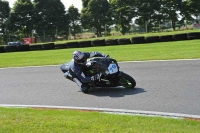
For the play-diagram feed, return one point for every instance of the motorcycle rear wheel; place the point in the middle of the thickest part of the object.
(126, 81)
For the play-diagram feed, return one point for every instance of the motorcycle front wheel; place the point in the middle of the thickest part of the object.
(126, 81)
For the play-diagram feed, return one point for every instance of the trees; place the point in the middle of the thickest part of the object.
(185, 12)
(50, 17)
(4, 14)
(74, 20)
(171, 9)
(123, 12)
(4, 10)
(21, 17)
(95, 13)
(43, 16)
(148, 12)
(194, 7)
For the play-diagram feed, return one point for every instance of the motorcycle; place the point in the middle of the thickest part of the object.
(108, 69)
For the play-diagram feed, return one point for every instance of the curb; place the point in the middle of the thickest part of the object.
(109, 110)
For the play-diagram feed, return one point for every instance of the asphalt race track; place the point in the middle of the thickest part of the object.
(162, 86)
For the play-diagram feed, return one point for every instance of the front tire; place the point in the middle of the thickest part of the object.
(126, 81)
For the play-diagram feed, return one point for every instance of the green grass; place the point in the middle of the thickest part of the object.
(16, 120)
(133, 52)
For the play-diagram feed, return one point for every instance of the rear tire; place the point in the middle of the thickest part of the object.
(126, 81)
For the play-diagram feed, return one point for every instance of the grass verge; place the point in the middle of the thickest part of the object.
(156, 51)
(20, 120)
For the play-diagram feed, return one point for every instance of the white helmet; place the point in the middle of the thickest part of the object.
(79, 57)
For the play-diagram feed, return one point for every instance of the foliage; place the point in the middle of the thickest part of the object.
(96, 15)
(148, 12)
(194, 7)
(4, 9)
(21, 18)
(4, 14)
(170, 8)
(122, 12)
(50, 15)
(185, 12)
(74, 20)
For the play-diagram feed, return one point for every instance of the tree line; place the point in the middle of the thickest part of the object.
(39, 17)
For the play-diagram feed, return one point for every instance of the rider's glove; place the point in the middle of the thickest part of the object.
(105, 55)
(95, 77)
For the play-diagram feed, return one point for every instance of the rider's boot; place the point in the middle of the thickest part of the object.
(84, 87)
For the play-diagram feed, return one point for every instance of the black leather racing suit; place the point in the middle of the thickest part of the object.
(76, 70)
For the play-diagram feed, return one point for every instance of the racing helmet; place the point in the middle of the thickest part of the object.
(79, 57)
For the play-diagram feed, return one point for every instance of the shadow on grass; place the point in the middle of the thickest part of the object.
(115, 92)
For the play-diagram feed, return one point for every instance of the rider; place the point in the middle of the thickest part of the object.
(77, 66)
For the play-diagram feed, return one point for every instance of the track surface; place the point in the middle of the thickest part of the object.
(162, 86)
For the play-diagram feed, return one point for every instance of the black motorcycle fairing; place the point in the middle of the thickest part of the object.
(101, 64)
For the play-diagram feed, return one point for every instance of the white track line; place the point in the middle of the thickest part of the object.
(108, 110)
